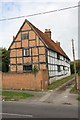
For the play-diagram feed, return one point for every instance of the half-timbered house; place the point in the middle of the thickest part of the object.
(31, 47)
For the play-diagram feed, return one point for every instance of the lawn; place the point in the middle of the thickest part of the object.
(58, 83)
(14, 96)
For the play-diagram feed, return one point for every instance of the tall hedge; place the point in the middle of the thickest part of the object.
(5, 60)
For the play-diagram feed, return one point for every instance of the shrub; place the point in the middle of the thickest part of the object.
(35, 69)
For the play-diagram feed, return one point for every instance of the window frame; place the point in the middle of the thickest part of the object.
(27, 67)
(58, 68)
(64, 68)
(25, 36)
(26, 52)
(58, 56)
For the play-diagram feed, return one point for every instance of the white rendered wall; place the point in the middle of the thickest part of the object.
(53, 63)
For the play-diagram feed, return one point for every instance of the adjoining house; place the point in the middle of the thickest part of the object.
(31, 47)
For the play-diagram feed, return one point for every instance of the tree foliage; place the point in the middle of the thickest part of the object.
(35, 69)
(77, 66)
(5, 61)
(0, 59)
(72, 68)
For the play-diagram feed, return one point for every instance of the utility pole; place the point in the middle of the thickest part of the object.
(74, 63)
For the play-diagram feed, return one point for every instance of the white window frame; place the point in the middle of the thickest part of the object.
(26, 52)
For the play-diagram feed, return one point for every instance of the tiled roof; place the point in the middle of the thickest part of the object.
(50, 43)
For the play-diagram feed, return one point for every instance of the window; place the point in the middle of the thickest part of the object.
(27, 67)
(26, 52)
(67, 60)
(25, 36)
(58, 56)
(58, 68)
(63, 67)
(63, 58)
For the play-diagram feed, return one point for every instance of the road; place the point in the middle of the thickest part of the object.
(38, 110)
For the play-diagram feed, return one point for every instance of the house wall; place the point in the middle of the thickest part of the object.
(54, 63)
(36, 49)
(27, 81)
(57, 67)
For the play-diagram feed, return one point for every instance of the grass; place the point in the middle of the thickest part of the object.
(0, 93)
(79, 73)
(58, 83)
(78, 98)
(73, 90)
(12, 96)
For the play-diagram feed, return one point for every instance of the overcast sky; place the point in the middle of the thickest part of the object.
(63, 24)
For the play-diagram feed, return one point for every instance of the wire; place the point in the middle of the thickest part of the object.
(66, 8)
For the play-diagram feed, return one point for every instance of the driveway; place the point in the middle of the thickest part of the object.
(62, 97)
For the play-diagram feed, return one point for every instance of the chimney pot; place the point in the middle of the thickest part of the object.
(58, 43)
(48, 33)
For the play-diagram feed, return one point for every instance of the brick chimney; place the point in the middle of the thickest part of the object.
(58, 43)
(48, 33)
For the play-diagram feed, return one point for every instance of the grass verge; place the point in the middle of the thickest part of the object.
(58, 83)
(78, 98)
(74, 91)
(0, 92)
(14, 96)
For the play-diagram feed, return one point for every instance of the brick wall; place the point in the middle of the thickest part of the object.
(29, 81)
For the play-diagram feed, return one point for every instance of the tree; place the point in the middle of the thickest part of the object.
(5, 61)
(77, 66)
(72, 68)
(0, 59)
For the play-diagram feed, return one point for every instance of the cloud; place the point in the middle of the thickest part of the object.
(9, 9)
(63, 24)
(39, 1)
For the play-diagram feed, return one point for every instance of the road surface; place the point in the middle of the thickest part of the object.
(38, 110)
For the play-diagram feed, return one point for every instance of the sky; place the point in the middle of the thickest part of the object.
(63, 24)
